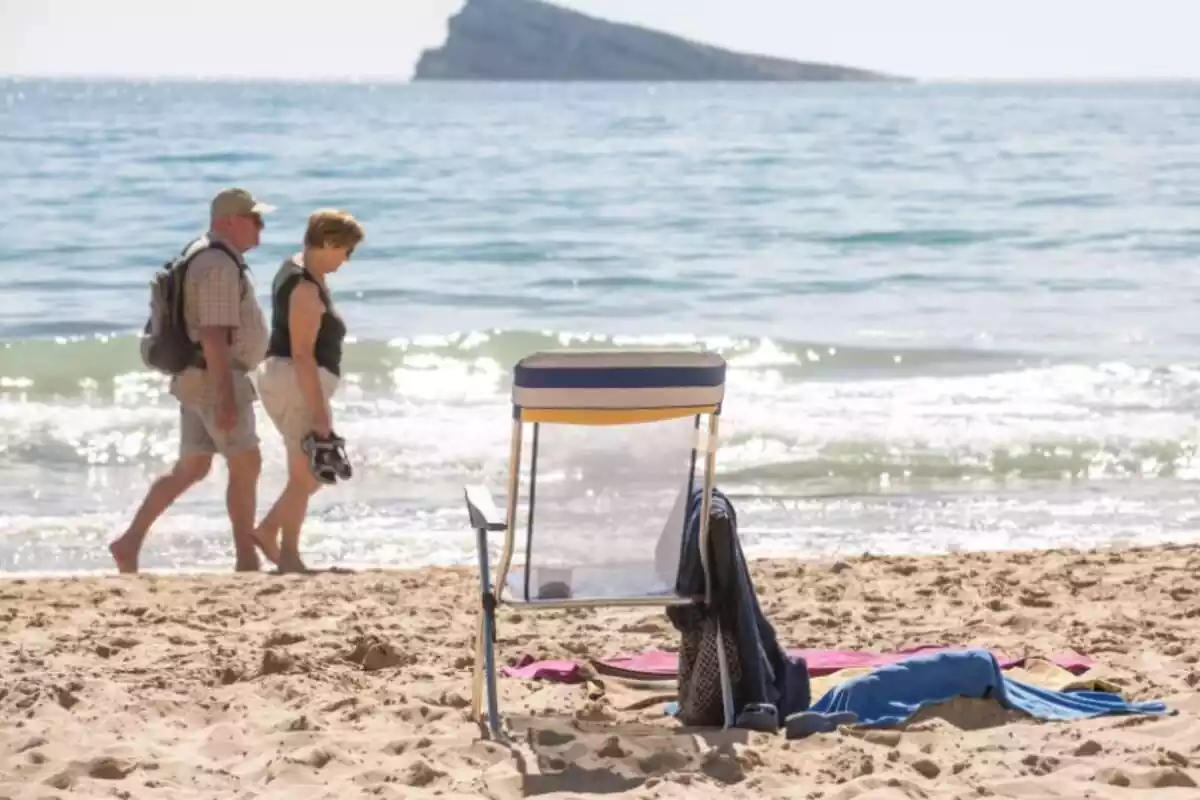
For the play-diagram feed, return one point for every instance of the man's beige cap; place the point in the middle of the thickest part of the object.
(232, 202)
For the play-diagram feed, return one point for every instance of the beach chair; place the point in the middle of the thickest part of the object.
(607, 448)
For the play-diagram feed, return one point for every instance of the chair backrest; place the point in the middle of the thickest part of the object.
(609, 455)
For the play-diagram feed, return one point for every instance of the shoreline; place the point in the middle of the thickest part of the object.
(468, 564)
(355, 685)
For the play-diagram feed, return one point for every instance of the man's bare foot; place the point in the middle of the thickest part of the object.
(268, 545)
(125, 553)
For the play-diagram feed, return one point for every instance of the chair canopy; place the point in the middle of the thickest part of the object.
(607, 387)
(606, 477)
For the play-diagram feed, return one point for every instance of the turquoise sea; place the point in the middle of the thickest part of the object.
(957, 316)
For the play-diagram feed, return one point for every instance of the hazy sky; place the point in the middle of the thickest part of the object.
(950, 39)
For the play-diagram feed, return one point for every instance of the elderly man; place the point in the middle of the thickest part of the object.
(216, 397)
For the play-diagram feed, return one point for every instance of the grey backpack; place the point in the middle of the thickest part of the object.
(165, 344)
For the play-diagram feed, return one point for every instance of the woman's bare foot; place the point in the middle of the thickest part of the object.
(125, 553)
(289, 563)
(269, 545)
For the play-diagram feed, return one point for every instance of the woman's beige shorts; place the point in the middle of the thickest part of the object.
(284, 401)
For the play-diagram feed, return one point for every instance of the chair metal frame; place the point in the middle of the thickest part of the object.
(585, 403)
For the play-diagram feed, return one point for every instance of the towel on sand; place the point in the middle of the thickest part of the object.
(661, 665)
(891, 694)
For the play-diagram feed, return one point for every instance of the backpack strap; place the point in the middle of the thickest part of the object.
(227, 250)
(184, 262)
(224, 248)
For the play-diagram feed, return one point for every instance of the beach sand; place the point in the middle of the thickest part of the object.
(355, 685)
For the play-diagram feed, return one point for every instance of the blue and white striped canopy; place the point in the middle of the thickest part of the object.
(617, 386)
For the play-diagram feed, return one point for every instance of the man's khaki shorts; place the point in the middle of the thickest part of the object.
(284, 401)
(199, 434)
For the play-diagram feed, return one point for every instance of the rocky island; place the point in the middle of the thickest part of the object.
(531, 40)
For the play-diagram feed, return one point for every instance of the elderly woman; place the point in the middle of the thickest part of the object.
(300, 375)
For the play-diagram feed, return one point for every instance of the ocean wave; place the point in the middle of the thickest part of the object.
(881, 464)
(108, 366)
(428, 411)
(927, 237)
(428, 450)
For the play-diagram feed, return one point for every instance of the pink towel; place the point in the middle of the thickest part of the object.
(558, 671)
(657, 664)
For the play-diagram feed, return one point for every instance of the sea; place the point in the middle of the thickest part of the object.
(956, 316)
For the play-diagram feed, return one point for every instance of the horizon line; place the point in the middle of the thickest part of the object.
(399, 80)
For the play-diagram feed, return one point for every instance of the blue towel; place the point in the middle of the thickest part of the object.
(891, 694)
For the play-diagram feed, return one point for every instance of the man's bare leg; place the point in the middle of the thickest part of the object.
(241, 500)
(166, 489)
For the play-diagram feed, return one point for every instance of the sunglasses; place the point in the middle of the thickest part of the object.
(256, 220)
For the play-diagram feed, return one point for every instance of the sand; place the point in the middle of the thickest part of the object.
(354, 685)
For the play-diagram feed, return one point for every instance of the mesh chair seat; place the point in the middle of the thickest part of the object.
(630, 582)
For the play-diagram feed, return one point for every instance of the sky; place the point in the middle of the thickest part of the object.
(381, 39)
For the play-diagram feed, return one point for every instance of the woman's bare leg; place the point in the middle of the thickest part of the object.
(287, 516)
(279, 532)
(266, 534)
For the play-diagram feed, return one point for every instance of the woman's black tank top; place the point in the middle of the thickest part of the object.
(330, 336)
